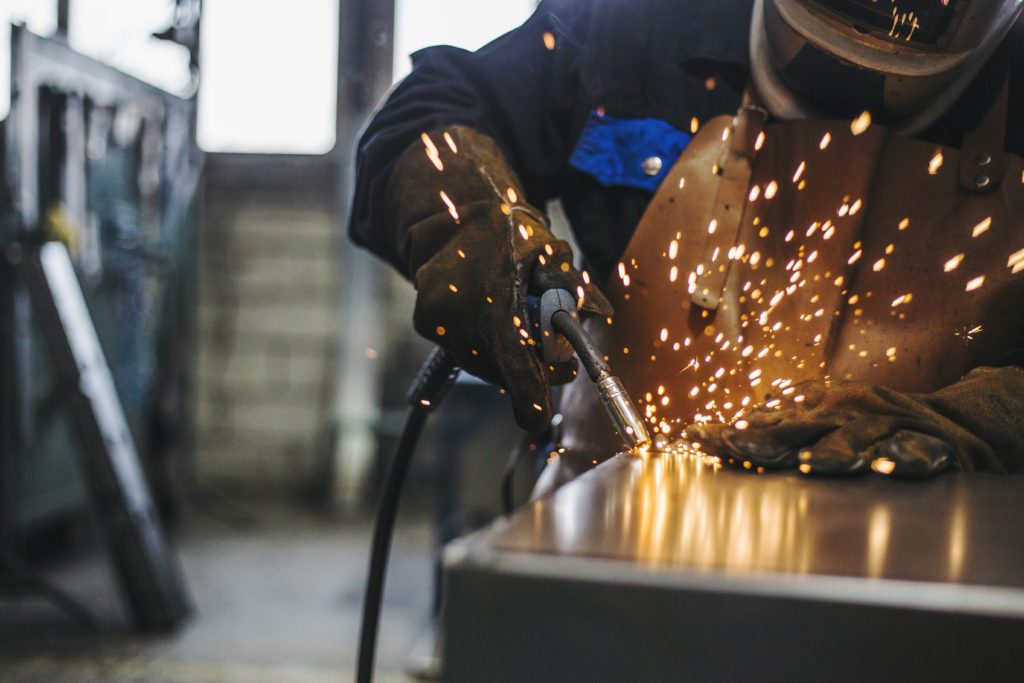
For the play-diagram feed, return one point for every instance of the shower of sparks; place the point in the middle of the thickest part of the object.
(982, 227)
(432, 153)
(451, 206)
(860, 124)
(936, 163)
(975, 283)
(967, 335)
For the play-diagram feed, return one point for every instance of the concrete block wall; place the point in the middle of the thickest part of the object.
(267, 348)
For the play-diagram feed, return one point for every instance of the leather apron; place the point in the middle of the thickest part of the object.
(780, 252)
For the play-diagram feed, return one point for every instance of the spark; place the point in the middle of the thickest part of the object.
(694, 125)
(453, 288)
(451, 142)
(759, 143)
(975, 283)
(861, 123)
(878, 265)
(771, 189)
(936, 163)
(755, 192)
(902, 299)
(371, 353)
(523, 232)
(513, 197)
(799, 171)
(953, 263)
(451, 207)
(432, 153)
(904, 224)
(440, 331)
(982, 227)
(549, 40)
(673, 249)
(825, 140)
(1016, 262)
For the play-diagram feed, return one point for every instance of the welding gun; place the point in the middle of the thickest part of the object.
(561, 333)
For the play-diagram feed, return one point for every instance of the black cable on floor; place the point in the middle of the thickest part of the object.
(426, 392)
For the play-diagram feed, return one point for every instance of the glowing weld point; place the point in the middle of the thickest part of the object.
(861, 123)
(953, 263)
(982, 227)
(975, 283)
(936, 163)
(883, 465)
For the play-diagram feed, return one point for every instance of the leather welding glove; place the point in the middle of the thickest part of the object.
(475, 249)
(848, 428)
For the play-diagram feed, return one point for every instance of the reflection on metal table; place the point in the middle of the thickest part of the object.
(662, 568)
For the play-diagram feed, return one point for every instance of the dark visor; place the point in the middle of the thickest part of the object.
(922, 22)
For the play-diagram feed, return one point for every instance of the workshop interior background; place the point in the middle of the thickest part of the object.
(194, 160)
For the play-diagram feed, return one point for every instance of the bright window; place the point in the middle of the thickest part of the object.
(40, 16)
(269, 76)
(119, 33)
(468, 24)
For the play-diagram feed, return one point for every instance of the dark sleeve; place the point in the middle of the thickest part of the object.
(514, 89)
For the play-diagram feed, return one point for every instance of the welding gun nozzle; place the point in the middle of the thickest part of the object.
(623, 413)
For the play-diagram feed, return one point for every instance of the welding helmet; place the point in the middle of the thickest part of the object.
(900, 59)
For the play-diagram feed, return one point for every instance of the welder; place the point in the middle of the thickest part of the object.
(806, 216)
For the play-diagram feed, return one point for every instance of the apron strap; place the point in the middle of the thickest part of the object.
(982, 159)
(735, 167)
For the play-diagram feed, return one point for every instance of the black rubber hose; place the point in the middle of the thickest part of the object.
(590, 356)
(427, 391)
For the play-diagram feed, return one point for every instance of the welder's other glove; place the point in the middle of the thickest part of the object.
(474, 250)
(848, 428)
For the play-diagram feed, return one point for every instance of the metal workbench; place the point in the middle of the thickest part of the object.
(664, 569)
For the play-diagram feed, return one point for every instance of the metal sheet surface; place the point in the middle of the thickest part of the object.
(672, 511)
(664, 569)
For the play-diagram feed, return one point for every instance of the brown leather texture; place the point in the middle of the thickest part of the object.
(859, 257)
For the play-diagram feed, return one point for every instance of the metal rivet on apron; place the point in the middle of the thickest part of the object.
(652, 165)
(982, 181)
(983, 160)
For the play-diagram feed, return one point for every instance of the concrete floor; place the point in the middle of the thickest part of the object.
(277, 599)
